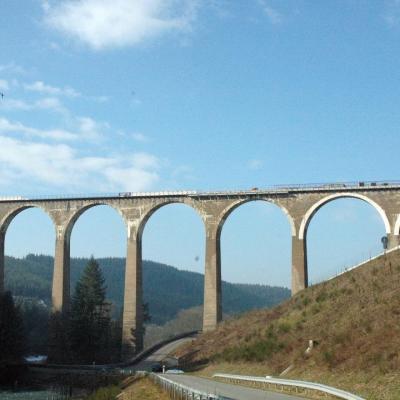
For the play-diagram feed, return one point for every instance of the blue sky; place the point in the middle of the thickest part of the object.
(132, 95)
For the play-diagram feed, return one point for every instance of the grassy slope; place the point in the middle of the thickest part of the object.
(143, 389)
(355, 318)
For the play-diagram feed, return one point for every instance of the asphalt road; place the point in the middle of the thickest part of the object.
(225, 389)
(160, 354)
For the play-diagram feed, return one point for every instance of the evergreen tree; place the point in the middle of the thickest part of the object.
(90, 322)
(12, 338)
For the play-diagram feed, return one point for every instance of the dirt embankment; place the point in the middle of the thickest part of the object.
(354, 321)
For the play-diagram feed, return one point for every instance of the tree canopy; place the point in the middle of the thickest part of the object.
(12, 337)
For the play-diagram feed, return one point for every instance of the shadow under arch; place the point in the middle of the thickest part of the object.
(315, 207)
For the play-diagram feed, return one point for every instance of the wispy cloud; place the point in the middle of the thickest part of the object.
(45, 103)
(104, 24)
(55, 154)
(8, 127)
(140, 137)
(274, 16)
(12, 68)
(85, 129)
(43, 88)
(60, 165)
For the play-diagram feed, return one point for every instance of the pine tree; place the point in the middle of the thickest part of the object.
(12, 338)
(90, 317)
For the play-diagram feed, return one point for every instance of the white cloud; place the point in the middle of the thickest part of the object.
(89, 128)
(274, 16)
(105, 24)
(85, 129)
(50, 103)
(41, 87)
(7, 127)
(13, 104)
(12, 67)
(60, 165)
(140, 137)
(46, 103)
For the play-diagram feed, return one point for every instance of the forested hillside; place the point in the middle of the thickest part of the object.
(166, 289)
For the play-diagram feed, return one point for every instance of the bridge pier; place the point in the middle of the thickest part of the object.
(393, 241)
(212, 313)
(132, 325)
(299, 265)
(61, 275)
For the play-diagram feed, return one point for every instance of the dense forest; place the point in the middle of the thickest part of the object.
(167, 290)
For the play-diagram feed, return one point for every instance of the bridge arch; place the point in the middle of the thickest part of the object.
(315, 207)
(78, 213)
(232, 207)
(7, 219)
(148, 214)
(5, 222)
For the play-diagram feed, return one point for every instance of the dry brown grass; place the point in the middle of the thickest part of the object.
(143, 389)
(355, 319)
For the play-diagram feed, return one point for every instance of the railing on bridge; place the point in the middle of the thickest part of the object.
(273, 189)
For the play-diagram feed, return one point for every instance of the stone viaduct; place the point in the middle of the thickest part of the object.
(299, 203)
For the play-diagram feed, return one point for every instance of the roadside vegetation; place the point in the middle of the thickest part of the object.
(353, 321)
(143, 389)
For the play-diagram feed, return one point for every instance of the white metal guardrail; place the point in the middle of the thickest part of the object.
(182, 392)
(341, 394)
